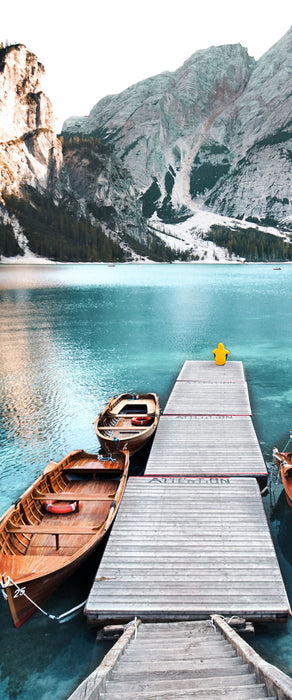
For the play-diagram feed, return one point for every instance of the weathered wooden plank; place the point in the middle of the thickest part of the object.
(159, 572)
(208, 399)
(196, 445)
(207, 371)
(203, 388)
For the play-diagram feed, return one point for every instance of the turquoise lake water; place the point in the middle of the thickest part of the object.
(71, 336)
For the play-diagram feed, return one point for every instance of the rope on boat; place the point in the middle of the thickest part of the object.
(21, 591)
(108, 458)
(211, 623)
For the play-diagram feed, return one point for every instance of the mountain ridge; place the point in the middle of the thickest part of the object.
(214, 136)
(232, 113)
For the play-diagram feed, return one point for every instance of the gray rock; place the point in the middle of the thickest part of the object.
(215, 133)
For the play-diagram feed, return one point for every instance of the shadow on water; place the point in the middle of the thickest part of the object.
(139, 460)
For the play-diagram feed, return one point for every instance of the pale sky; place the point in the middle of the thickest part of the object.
(91, 48)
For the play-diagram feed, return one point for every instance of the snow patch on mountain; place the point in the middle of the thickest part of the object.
(192, 235)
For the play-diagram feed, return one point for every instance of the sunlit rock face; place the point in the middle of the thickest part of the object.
(253, 138)
(30, 153)
(215, 133)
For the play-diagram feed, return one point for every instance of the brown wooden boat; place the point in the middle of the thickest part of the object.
(283, 460)
(56, 524)
(127, 422)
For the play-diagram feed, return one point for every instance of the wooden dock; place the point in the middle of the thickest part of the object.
(206, 428)
(191, 537)
(203, 388)
(185, 548)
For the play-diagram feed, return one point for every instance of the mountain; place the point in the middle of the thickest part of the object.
(157, 126)
(70, 201)
(255, 134)
(215, 133)
(193, 164)
(30, 153)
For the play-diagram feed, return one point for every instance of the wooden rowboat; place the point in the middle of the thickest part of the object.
(283, 460)
(127, 422)
(56, 524)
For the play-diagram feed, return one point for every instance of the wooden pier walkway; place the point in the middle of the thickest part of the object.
(202, 660)
(191, 539)
(206, 428)
(185, 548)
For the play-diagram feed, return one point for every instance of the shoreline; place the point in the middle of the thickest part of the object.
(44, 261)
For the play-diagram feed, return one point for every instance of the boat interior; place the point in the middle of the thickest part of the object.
(287, 471)
(121, 418)
(86, 488)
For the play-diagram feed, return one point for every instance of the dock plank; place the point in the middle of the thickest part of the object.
(206, 445)
(208, 398)
(204, 388)
(192, 370)
(161, 563)
(191, 538)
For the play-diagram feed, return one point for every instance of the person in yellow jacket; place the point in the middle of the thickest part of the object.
(220, 354)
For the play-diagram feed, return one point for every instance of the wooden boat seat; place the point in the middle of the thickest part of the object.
(70, 496)
(111, 472)
(55, 530)
(137, 428)
(52, 529)
(132, 415)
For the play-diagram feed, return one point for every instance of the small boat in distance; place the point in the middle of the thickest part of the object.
(283, 461)
(127, 422)
(56, 524)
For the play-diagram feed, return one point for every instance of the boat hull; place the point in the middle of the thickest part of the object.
(39, 550)
(283, 461)
(116, 426)
(132, 444)
(37, 591)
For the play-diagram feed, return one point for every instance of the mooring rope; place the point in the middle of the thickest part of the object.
(21, 591)
(135, 621)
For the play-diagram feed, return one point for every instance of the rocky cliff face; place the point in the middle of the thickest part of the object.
(252, 145)
(215, 133)
(89, 180)
(104, 188)
(30, 153)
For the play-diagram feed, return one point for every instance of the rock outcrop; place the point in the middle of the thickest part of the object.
(104, 188)
(252, 141)
(92, 183)
(30, 153)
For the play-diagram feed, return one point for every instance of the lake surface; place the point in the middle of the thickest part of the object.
(72, 336)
